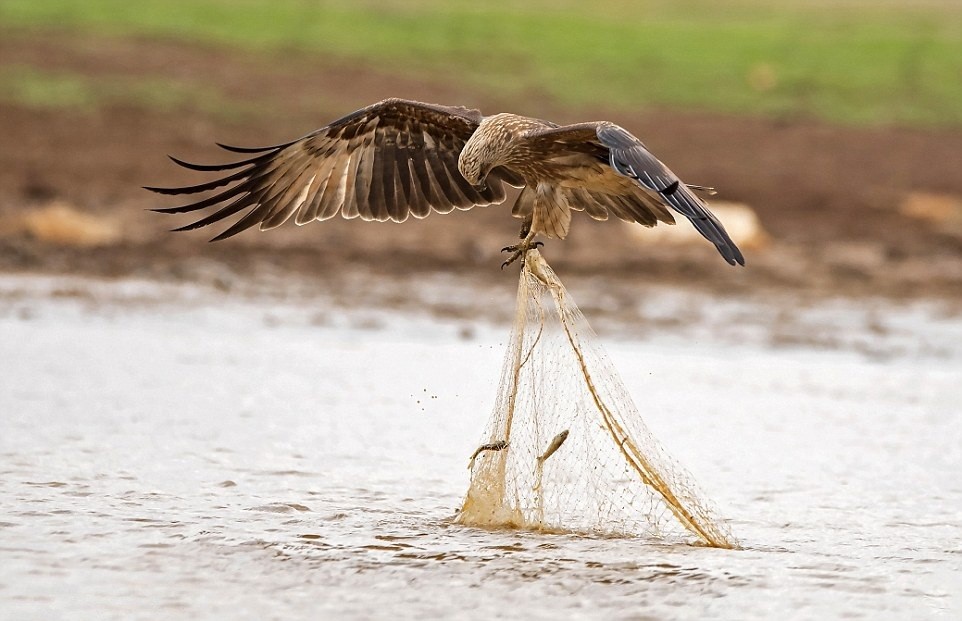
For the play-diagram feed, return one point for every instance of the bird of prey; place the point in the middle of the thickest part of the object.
(400, 158)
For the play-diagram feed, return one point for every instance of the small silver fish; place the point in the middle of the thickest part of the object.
(556, 443)
(493, 446)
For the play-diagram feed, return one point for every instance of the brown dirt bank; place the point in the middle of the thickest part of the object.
(827, 196)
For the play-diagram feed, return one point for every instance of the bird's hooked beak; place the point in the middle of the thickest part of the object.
(481, 184)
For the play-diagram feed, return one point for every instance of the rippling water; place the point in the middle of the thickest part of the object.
(217, 458)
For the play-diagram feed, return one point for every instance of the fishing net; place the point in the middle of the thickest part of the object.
(565, 449)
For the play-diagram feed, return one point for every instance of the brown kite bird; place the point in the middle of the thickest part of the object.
(401, 158)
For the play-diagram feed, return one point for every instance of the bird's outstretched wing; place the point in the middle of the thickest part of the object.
(388, 161)
(629, 157)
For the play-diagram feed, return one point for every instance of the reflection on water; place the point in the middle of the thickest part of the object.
(195, 463)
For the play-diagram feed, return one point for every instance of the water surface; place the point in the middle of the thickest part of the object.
(189, 454)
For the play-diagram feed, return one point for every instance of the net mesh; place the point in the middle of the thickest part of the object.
(565, 449)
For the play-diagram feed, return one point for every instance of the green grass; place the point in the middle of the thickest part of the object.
(42, 89)
(849, 61)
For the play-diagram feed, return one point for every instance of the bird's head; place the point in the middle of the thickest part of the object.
(472, 165)
(487, 148)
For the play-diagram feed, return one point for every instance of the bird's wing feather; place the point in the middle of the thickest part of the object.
(391, 160)
(628, 157)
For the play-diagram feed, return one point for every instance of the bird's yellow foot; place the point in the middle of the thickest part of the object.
(518, 250)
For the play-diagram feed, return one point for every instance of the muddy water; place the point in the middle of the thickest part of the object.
(196, 456)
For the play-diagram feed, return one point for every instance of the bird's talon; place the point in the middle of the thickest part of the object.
(515, 256)
(518, 251)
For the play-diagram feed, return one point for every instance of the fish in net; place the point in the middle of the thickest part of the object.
(566, 449)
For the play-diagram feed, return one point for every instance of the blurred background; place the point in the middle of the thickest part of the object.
(832, 130)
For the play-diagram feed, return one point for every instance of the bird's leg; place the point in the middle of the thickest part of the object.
(527, 243)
